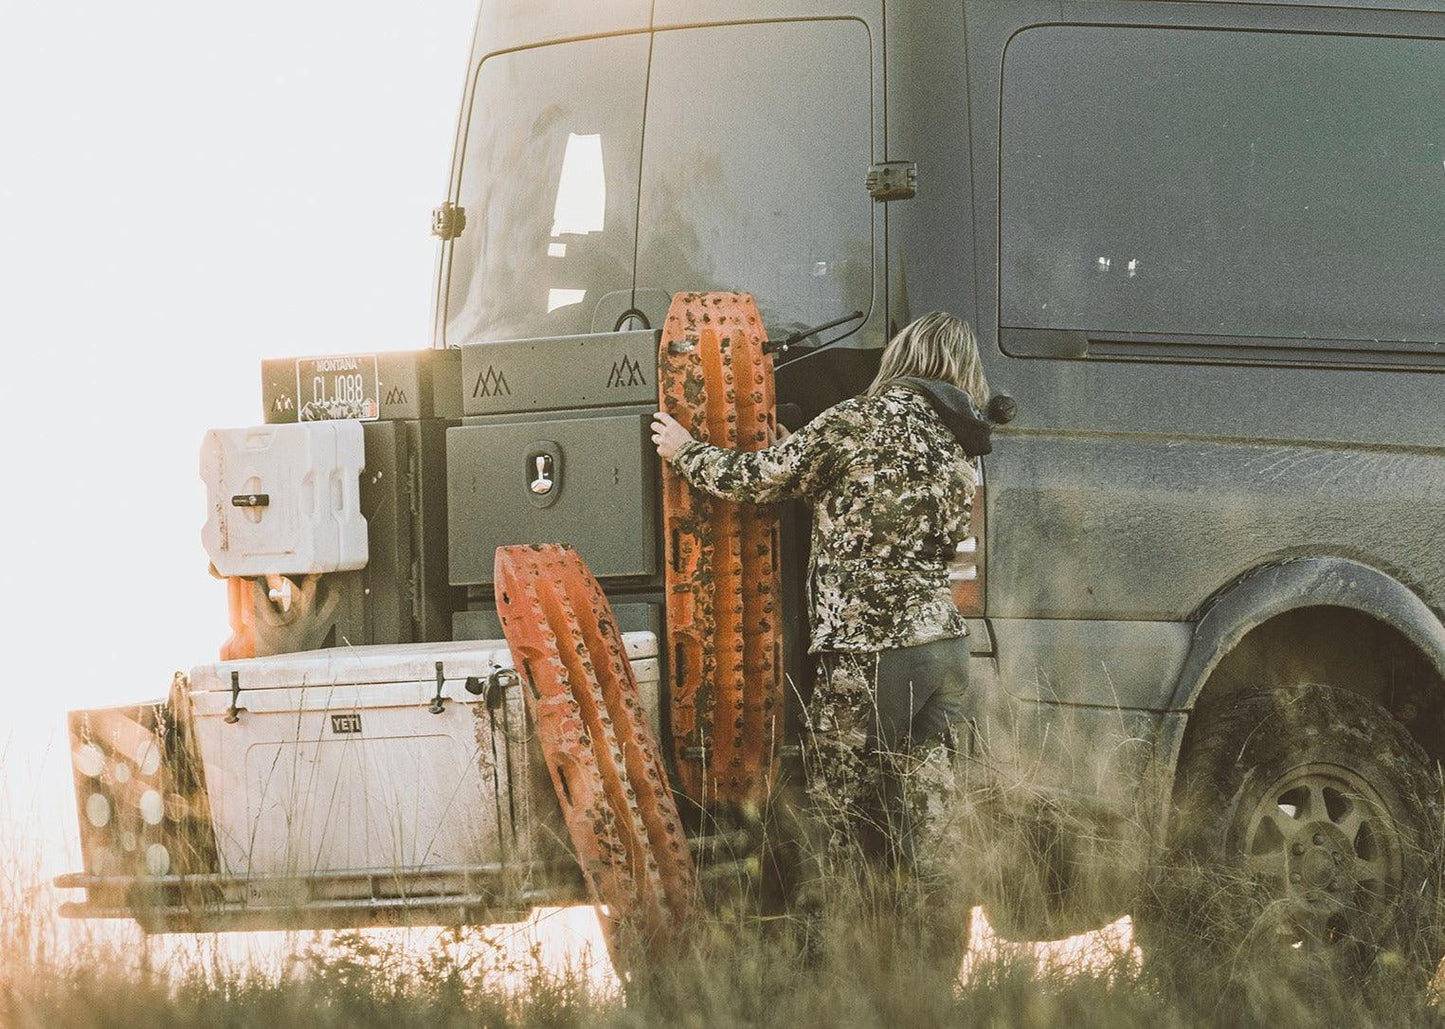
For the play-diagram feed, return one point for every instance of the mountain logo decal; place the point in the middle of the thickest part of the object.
(626, 372)
(491, 383)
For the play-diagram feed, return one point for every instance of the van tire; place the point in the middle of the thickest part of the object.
(1305, 841)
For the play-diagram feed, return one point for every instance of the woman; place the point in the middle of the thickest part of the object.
(890, 479)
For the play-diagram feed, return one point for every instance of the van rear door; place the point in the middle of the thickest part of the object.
(599, 176)
(548, 183)
(757, 144)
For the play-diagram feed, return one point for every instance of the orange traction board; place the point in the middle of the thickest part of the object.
(605, 765)
(724, 586)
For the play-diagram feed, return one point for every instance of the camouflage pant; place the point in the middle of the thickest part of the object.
(880, 750)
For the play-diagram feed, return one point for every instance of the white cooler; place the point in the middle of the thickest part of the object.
(339, 761)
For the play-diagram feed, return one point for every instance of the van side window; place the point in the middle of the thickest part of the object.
(1217, 183)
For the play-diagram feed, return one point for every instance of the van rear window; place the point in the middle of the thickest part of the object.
(549, 187)
(754, 164)
(1205, 182)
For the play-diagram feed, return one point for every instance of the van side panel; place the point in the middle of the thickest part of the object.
(1142, 526)
(1146, 470)
(1115, 664)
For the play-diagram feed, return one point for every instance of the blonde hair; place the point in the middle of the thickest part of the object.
(936, 346)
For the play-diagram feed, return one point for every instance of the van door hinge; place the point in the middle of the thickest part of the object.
(448, 221)
(413, 592)
(412, 485)
(893, 180)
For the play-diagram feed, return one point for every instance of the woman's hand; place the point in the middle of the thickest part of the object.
(668, 435)
(780, 432)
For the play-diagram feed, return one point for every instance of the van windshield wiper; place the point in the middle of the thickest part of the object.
(782, 346)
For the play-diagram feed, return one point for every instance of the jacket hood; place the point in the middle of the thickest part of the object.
(956, 408)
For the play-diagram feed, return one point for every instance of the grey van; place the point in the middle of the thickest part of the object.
(1203, 245)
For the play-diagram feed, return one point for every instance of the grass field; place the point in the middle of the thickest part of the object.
(866, 971)
(864, 962)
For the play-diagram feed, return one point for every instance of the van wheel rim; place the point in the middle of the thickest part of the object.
(1321, 843)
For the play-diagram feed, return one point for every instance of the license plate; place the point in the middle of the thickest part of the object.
(329, 388)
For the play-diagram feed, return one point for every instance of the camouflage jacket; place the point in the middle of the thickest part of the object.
(892, 491)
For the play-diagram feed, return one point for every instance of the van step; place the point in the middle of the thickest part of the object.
(724, 585)
(604, 762)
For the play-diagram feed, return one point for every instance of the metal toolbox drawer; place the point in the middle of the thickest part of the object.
(587, 481)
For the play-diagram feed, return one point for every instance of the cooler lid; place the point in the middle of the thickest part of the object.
(380, 663)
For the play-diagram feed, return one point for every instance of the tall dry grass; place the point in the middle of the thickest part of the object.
(863, 967)
(876, 953)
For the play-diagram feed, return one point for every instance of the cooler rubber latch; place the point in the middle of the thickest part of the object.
(498, 683)
(438, 702)
(233, 713)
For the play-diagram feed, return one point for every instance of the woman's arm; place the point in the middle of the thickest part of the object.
(795, 467)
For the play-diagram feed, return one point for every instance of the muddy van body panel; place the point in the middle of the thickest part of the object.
(1276, 589)
(1114, 511)
(1242, 411)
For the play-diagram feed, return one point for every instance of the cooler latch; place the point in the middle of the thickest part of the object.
(438, 703)
(233, 713)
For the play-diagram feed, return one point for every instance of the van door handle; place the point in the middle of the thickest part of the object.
(1066, 343)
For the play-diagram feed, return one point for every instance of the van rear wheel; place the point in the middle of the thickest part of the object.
(1305, 844)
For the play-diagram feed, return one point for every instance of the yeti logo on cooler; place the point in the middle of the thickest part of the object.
(347, 723)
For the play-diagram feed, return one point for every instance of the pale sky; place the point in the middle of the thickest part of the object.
(185, 188)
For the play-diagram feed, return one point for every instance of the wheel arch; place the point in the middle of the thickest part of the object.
(1281, 602)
